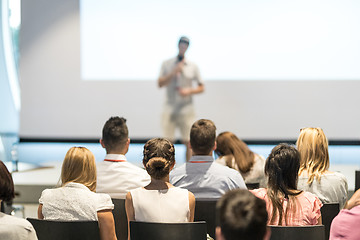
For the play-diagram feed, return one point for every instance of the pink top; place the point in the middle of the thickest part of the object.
(345, 225)
(307, 208)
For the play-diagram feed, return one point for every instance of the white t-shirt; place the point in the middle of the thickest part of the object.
(189, 73)
(13, 228)
(73, 202)
(168, 205)
(332, 188)
(116, 176)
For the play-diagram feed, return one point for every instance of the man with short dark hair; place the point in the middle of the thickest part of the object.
(115, 175)
(177, 75)
(243, 216)
(202, 175)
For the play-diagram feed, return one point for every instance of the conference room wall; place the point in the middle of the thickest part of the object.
(9, 88)
(56, 103)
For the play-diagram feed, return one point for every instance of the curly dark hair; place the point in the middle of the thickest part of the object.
(115, 133)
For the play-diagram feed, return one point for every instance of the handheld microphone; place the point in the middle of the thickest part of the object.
(180, 58)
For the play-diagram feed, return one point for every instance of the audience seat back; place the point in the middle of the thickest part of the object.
(205, 210)
(167, 231)
(357, 180)
(120, 218)
(70, 230)
(328, 212)
(316, 232)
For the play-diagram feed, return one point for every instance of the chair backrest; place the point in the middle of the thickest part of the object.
(205, 210)
(315, 232)
(251, 186)
(166, 231)
(328, 212)
(357, 180)
(120, 218)
(59, 230)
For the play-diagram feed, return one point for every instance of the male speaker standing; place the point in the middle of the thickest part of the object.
(178, 74)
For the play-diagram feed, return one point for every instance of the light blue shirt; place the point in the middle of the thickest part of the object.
(206, 178)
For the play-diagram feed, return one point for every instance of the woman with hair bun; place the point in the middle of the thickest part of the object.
(159, 201)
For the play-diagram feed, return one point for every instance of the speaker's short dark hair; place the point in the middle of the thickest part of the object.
(241, 215)
(115, 133)
(202, 136)
(184, 39)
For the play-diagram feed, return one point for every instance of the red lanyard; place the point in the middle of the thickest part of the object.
(112, 160)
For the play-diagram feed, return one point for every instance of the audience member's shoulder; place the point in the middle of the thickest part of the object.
(101, 164)
(136, 167)
(47, 192)
(11, 220)
(178, 168)
(259, 158)
(226, 169)
(260, 192)
(310, 197)
(103, 197)
(104, 201)
(340, 176)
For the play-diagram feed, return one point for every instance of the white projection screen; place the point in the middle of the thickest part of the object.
(270, 67)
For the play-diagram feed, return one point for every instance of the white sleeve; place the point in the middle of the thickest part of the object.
(104, 202)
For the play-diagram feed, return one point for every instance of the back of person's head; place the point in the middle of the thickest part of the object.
(241, 215)
(313, 147)
(115, 134)
(202, 136)
(228, 144)
(7, 192)
(281, 168)
(159, 157)
(79, 166)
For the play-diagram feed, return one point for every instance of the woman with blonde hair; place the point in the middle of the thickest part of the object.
(160, 201)
(234, 153)
(314, 174)
(76, 199)
(286, 205)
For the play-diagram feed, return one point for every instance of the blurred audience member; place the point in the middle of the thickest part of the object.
(236, 154)
(115, 175)
(314, 174)
(344, 225)
(286, 205)
(202, 175)
(159, 201)
(243, 216)
(12, 228)
(76, 199)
